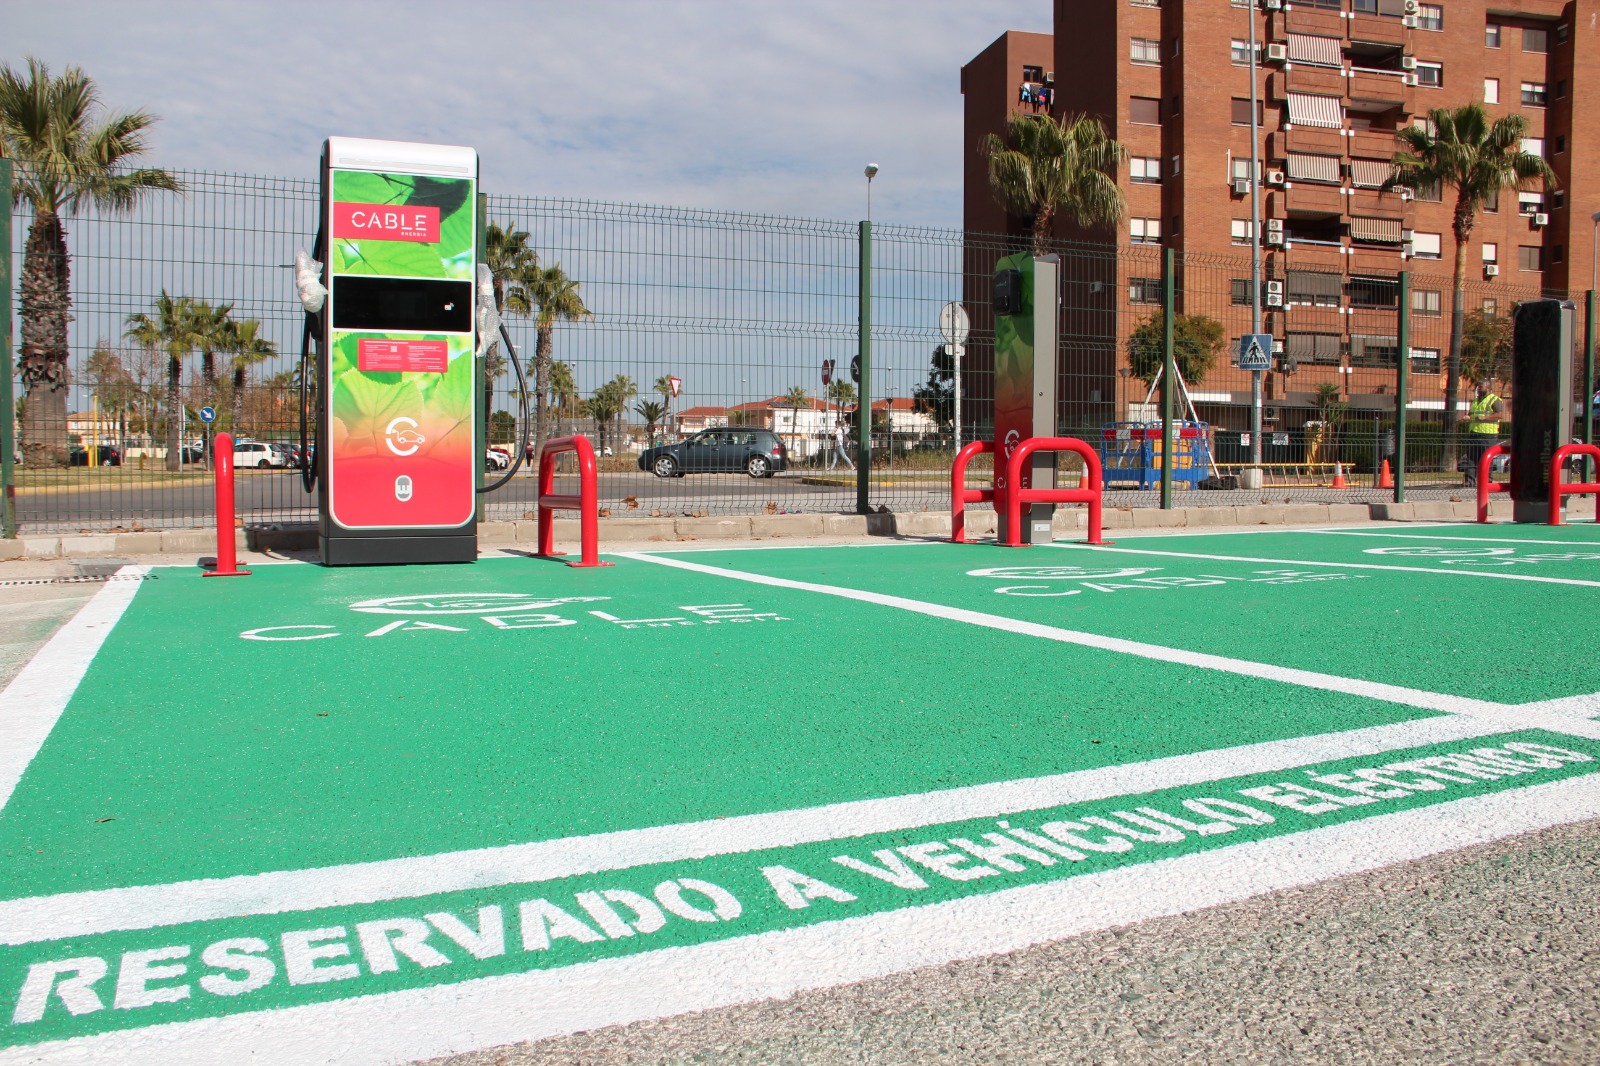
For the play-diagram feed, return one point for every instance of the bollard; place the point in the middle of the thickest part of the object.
(227, 555)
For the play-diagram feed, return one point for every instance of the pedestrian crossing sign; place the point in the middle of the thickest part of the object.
(1255, 351)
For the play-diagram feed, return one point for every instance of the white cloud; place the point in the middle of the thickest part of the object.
(760, 106)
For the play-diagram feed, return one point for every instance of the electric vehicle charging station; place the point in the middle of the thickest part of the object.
(397, 459)
(1027, 309)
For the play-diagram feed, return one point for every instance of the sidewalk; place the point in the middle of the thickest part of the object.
(644, 532)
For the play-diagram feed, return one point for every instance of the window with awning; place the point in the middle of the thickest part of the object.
(1370, 173)
(1376, 230)
(1313, 347)
(1314, 288)
(1308, 109)
(1313, 168)
(1316, 51)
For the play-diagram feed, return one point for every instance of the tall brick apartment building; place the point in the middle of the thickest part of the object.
(1336, 80)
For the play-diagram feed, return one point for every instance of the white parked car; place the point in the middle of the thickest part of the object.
(258, 453)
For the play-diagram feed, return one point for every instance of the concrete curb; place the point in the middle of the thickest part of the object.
(524, 534)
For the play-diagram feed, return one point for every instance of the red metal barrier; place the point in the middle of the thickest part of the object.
(1577, 488)
(227, 552)
(1485, 486)
(1015, 497)
(960, 495)
(587, 502)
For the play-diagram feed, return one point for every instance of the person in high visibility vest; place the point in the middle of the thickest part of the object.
(1483, 427)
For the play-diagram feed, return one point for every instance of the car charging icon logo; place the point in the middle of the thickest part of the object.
(402, 437)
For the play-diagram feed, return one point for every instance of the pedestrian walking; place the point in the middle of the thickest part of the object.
(839, 441)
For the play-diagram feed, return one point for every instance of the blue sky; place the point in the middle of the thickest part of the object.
(753, 106)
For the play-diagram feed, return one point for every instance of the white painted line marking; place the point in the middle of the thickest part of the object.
(399, 1027)
(1454, 540)
(1326, 562)
(33, 702)
(1437, 701)
(83, 913)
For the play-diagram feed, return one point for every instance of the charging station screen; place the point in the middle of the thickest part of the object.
(401, 401)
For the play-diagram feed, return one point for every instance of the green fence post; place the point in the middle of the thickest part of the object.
(8, 405)
(864, 350)
(1402, 382)
(1169, 305)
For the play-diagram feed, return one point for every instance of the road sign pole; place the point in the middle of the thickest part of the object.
(955, 358)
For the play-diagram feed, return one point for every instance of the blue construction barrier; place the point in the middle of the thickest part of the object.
(1131, 451)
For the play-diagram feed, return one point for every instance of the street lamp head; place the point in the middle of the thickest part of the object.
(871, 171)
(1595, 217)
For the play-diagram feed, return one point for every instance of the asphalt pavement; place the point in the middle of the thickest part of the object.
(1489, 954)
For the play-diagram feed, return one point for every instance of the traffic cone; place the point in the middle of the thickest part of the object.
(1338, 476)
(1385, 479)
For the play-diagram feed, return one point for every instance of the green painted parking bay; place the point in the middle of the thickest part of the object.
(306, 717)
(382, 815)
(1423, 621)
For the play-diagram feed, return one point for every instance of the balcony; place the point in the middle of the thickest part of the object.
(1303, 78)
(1309, 198)
(1385, 87)
(1375, 259)
(1302, 19)
(1379, 29)
(1373, 143)
(1305, 255)
(1377, 205)
(1312, 139)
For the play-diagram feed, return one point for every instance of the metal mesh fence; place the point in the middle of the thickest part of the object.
(745, 312)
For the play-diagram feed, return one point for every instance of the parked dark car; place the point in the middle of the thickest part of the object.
(725, 450)
(109, 455)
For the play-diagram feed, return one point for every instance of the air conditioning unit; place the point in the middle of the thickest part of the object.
(1405, 192)
(1274, 293)
(1275, 236)
(1241, 187)
(1274, 225)
(1411, 7)
(1541, 219)
(1409, 79)
(1277, 53)
(1269, 414)
(1408, 62)
(1409, 22)
(1491, 270)
(1275, 177)
(1272, 5)
(1049, 77)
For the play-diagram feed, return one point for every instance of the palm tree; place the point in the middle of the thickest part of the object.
(1461, 148)
(563, 389)
(549, 295)
(172, 332)
(795, 399)
(212, 334)
(507, 255)
(1045, 166)
(603, 406)
(652, 411)
(69, 155)
(245, 345)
